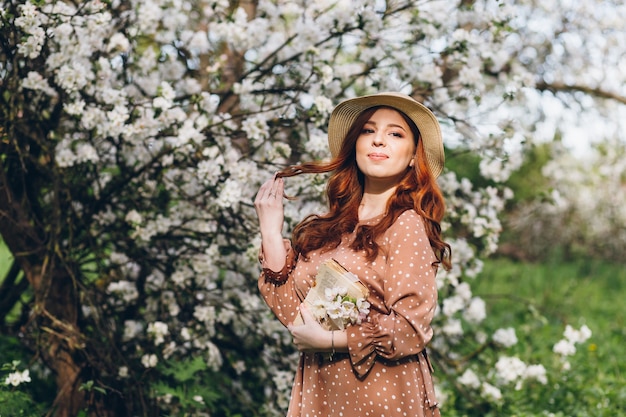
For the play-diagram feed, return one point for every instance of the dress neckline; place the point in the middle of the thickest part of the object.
(372, 219)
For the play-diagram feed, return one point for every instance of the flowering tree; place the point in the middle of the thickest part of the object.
(581, 210)
(134, 135)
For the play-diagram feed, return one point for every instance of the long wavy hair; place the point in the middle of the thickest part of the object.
(417, 190)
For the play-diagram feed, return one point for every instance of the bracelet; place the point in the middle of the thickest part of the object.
(332, 344)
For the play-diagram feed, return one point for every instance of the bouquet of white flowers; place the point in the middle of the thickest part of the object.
(337, 298)
(339, 309)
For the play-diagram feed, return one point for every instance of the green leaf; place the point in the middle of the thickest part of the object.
(185, 370)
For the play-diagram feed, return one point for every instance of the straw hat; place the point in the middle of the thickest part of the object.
(346, 112)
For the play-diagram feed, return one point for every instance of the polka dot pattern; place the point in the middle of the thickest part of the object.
(386, 372)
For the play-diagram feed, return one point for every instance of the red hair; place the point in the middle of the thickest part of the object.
(417, 190)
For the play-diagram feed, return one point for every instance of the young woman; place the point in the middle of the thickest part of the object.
(383, 225)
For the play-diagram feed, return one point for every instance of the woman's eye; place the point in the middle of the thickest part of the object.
(367, 130)
(397, 134)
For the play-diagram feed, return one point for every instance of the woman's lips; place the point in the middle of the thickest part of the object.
(377, 156)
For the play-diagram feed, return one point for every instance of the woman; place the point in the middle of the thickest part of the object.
(383, 225)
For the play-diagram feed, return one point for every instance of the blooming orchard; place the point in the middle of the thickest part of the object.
(147, 127)
(584, 204)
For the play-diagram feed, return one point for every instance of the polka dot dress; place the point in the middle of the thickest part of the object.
(386, 372)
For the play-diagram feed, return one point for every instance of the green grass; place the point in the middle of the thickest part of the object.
(543, 298)
(5, 259)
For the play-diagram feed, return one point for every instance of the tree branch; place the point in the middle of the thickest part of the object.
(571, 88)
(11, 292)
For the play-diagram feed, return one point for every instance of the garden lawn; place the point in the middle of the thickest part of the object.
(545, 298)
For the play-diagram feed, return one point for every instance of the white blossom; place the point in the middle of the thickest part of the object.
(85, 152)
(186, 133)
(122, 372)
(464, 291)
(230, 194)
(132, 328)
(536, 372)
(133, 217)
(149, 360)
(64, 156)
(567, 346)
(125, 289)
(209, 102)
(564, 348)
(453, 328)
(317, 145)
(505, 337)
(35, 81)
(29, 17)
(161, 103)
(32, 44)
(239, 367)
(453, 305)
(18, 377)
(469, 379)
(185, 333)
(509, 369)
(118, 42)
(214, 357)
(323, 104)
(476, 312)
(204, 313)
(256, 129)
(74, 108)
(179, 278)
(158, 330)
(72, 77)
(577, 336)
(169, 350)
(92, 118)
(491, 392)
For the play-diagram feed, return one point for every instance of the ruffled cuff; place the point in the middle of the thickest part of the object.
(279, 277)
(363, 343)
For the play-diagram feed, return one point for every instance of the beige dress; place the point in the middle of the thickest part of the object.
(386, 372)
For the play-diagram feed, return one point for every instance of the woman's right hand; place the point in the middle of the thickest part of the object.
(269, 208)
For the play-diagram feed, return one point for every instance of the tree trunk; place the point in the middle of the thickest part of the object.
(52, 329)
(59, 337)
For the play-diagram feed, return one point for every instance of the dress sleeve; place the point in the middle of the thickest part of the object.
(410, 296)
(277, 287)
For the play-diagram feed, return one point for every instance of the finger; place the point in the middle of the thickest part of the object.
(264, 190)
(276, 191)
(306, 313)
(280, 187)
(294, 339)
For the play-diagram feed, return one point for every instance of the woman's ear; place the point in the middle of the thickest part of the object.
(412, 163)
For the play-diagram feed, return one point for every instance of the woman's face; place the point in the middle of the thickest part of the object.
(385, 148)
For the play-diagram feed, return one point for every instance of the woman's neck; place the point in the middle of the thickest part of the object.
(374, 203)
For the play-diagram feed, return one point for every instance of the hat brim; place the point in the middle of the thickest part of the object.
(346, 112)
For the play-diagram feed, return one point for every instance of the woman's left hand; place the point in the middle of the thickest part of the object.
(310, 336)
